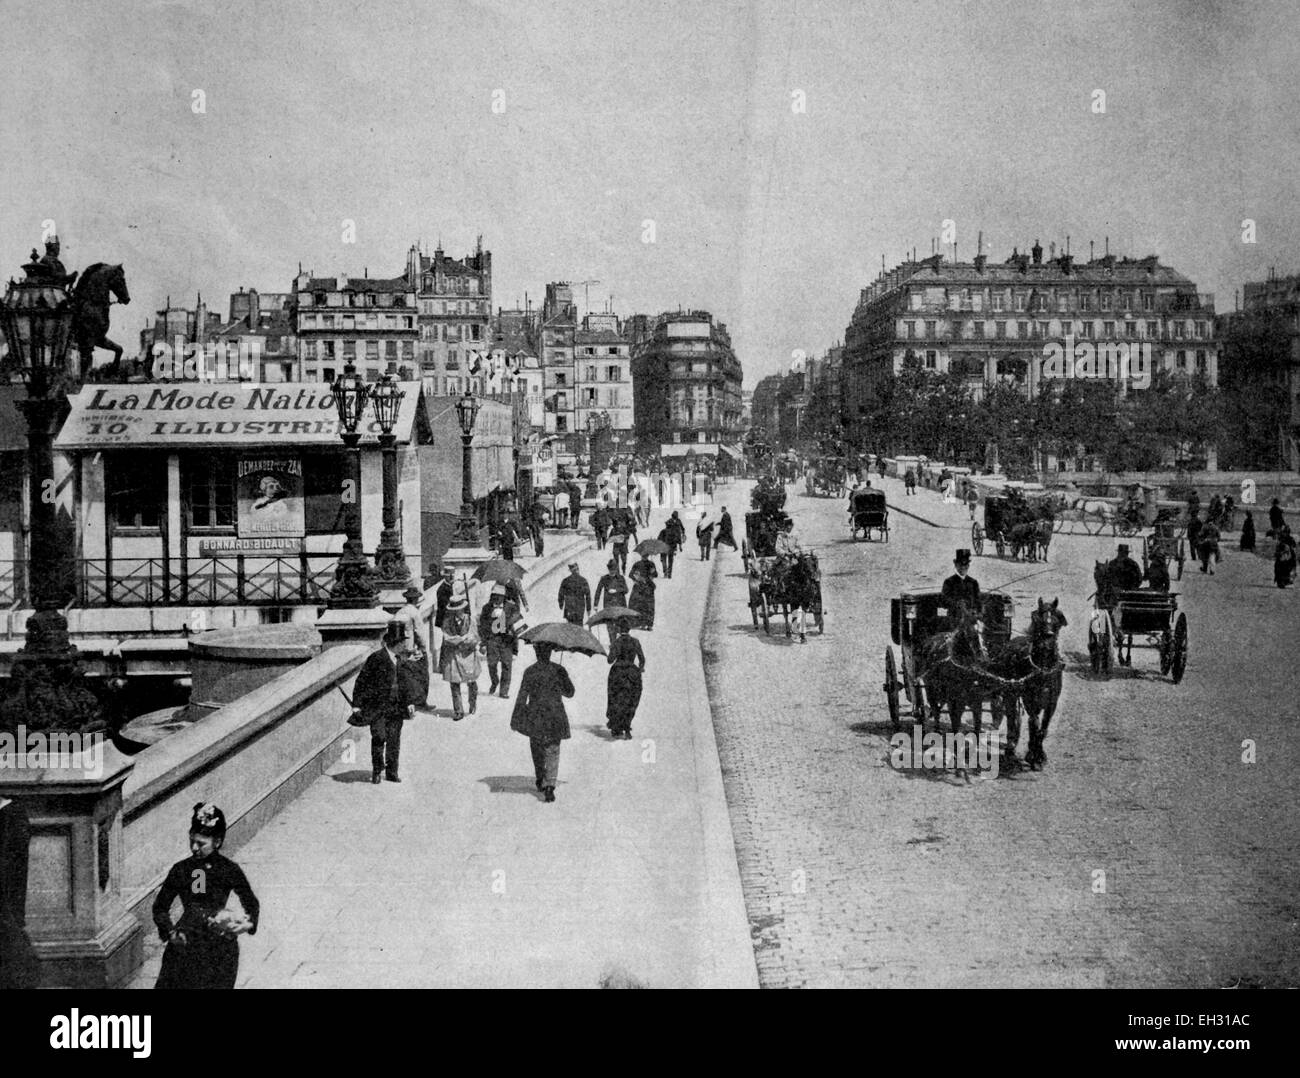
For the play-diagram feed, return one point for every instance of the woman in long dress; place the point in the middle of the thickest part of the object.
(459, 659)
(626, 662)
(202, 948)
(642, 599)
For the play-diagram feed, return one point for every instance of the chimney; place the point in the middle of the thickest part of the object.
(1037, 251)
(980, 257)
(1066, 262)
(1051, 251)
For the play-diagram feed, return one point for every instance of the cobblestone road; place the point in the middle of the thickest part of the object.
(858, 874)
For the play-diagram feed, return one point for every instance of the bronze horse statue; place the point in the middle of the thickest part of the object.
(91, 298)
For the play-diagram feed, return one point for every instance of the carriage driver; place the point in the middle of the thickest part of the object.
(961, 589)
(1125, 573)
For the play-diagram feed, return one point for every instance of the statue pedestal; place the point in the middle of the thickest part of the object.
(358, 626)
(81, 931)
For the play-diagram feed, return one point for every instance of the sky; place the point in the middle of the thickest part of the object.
(610, 116)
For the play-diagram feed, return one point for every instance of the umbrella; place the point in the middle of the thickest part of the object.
(613, 613)
(500, 571)
(564, 636)
(652, 546)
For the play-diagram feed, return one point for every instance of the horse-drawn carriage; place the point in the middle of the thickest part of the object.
(1169, 542)
(1152, 615)
(761, 529)
(946, 662)
(827, 477)
(869, 512)
(1016, 523)
(786, 583)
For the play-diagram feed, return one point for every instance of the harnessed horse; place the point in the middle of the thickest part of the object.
(1031, 667)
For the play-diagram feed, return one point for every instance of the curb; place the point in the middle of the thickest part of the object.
(731, 962)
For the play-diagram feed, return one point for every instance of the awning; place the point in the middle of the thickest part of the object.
(680, 449)
(217, 415)
(731, 450)
(13, 427)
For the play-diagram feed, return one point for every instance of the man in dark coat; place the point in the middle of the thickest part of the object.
(622, 532)
(1207, 545)
(575, 505)
(1125, 573)
(1284, 557)
(961, 590)
(575, 596)
(539, 715)
(382, 697)
(499, 623)
(725, 534)
(1275, 519)
(508, 538)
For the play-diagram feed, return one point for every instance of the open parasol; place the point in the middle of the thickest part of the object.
(613, 613)
(564, 636)
(652, 546)
(500, 571)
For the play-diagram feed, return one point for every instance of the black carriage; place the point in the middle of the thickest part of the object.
(869, 512)
(914, 617)
(1004, 512)
(1152, 616)
(770, 591)
(827, 477)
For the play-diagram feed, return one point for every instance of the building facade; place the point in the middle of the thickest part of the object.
(368, 321)
(557, 333)
(602, 373)
(999, 322)
(687, 383)
(454, 298)
(258, 340)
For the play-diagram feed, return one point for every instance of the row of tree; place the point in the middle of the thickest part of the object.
(944, 417)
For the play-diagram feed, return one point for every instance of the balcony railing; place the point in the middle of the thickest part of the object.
(233, 580)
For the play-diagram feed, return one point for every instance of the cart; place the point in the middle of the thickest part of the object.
(869, 512)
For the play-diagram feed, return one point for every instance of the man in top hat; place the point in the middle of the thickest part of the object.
(961, 590)
(575, 596)
(383, 698)
(499, 625)
(1125, 573)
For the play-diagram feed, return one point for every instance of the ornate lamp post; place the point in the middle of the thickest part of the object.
(467, 533)
(46, 689)
(353, 586)
(390, 560)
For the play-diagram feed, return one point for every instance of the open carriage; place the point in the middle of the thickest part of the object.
(1151, 616)
(869, 512)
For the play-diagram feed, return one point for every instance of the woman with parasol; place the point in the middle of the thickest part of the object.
(642, 599)
(626, 663)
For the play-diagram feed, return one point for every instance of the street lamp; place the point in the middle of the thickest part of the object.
(353, 586)
(46, 686)
(467, 533)
(390, 560)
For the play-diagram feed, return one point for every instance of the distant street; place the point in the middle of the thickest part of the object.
(857, 874)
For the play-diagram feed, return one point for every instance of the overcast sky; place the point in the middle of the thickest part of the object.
(678, 113)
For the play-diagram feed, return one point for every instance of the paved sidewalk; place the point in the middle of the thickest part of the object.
(462, 876)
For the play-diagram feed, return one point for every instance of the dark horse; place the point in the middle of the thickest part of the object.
(1032, 668)
(953, 666)
(799, 591)
(90, 303)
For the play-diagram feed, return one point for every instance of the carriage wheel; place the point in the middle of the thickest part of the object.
(767, 614)
(977, 539)
(1166, 651)
(1180, 648)
(892, 687)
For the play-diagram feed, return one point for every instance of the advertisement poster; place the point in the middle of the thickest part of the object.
(271, 498)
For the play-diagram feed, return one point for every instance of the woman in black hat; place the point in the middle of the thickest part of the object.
(202, 950)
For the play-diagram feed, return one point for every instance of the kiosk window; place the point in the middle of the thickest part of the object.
(210, 492)
(323, 489)
(136, 486)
